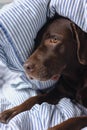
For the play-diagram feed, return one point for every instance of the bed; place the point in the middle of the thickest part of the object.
(19, 23)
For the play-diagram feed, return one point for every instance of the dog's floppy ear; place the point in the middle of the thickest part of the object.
(81, 49)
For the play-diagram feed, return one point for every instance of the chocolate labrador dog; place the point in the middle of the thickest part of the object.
(62, 56)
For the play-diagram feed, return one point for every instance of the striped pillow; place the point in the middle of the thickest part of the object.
(76, 10)
(19, 24)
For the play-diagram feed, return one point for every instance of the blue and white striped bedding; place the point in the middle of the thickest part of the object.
(76, 10)
(19, 24)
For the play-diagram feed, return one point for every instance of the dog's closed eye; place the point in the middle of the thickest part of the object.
(52, 43)
(53, 40)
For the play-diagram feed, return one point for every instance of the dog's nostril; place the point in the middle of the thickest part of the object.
(29, 67)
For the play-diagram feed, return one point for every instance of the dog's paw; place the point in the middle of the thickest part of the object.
(7, 115)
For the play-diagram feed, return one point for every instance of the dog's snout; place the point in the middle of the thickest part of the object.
(29, 67)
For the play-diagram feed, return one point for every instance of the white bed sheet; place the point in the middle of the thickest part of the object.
(40, 117)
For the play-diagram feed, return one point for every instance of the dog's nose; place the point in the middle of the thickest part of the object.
(29, 67)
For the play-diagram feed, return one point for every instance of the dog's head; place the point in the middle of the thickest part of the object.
(54, 52)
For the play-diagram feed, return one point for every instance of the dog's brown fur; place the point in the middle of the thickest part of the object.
(62, 55)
